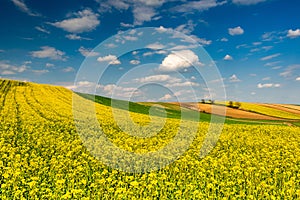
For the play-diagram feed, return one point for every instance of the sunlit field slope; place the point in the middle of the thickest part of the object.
(43, 157)
(271, 110)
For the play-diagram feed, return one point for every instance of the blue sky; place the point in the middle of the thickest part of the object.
(253, 43)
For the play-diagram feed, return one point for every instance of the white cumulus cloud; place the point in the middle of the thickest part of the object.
(234, 79)
(135, 62)
(83, 21)
(9, 69)
(49, 52)
(179, 60)
(228, 57)
(143, 14)
(165, 97)
(293, 34)
(111, 59)
(236, 31)
(155, 46)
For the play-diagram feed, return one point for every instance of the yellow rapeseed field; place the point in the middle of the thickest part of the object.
(42, 156)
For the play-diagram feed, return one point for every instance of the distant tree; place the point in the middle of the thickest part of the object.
(202, 100)
(212, 101)
(230, 104)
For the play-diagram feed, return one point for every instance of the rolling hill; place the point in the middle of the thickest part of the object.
(46, 154)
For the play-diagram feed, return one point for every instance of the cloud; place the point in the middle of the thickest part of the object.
(290, 71)
(162, 29)
(228, 57)
(143, 14)
(68, 69)
(167, 80)
(49, 52)
(155, 52)
(184, 38)
(275, 36)
(165, 97)
(40, 72)
(130, 38)
(111, 59)
(298, 78)
(135, 62)
(224, 40)
(236, 31)
(271, 64)
(82, 86)
(49, 65)
(126, 25)
(83, 21)
(234, 79)
(242, 46)
(276, 67)
(142, 10)
(182, 47)
(157, 78)
(87, 52)
(24, 8)
(293, 34)
(256, 43)
(267, 48)
(76, 37)
(270, 56)
(28, 62)
(179, 60)
(268, 85)
(202, 41)
(156, 46)
(182, 84)
(203, 5)
(111, 45)
(9, 69)
(266, 78)
(186, 28)
(247, 2)
(42, 29)
(1, 51)
(112, 90)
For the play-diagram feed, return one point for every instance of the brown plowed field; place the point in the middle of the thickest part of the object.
(230, 112)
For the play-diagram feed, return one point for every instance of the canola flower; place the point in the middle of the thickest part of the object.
(42, 156)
